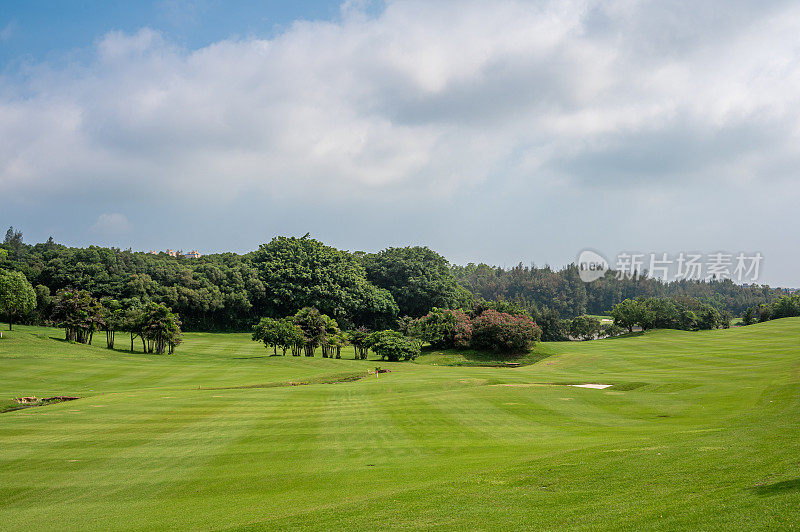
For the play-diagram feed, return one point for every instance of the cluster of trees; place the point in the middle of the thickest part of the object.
(590, 328)
(485, 329)
(310, 329)
(228, 291)
(81, 315)
(302, 333)
(682, 313)
(562, 291)
(786, 306)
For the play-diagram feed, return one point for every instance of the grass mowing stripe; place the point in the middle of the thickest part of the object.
(706, 439)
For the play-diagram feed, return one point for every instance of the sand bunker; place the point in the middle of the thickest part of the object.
(593, 386)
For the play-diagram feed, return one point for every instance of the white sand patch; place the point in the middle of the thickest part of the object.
(593, 386)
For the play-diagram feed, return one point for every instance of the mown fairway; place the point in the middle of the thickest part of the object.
(699, 431)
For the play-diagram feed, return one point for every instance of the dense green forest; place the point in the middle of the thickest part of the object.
(564, 292)
(228, 291)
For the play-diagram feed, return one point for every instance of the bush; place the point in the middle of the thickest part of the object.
(611, 329)
(554, 329)
(585, 328)
(504, 333)
(443, 328)
(393, 346)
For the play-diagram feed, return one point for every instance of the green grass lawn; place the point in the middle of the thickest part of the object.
(601, 317)
(700, 431)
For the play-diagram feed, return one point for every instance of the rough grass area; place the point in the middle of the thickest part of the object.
(699, 432)
(7, 405)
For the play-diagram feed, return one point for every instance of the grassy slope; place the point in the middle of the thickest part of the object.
(706, 436)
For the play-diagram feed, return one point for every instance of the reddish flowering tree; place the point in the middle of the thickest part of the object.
(505, 333)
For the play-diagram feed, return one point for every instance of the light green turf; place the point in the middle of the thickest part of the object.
(699, 431)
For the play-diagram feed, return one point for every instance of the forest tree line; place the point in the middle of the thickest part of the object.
(229, 291)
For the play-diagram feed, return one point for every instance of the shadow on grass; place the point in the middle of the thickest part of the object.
(471, 357)
(335, 378)
(777, 488)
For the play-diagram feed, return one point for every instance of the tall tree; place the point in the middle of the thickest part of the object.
(79, 313)
(303, 272)
(626, 314)
(313, 326)
(417, 277)
(161, 328)
(13, 239)
(17, 296)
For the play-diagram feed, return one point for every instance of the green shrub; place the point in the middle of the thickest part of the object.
(393, 346)
(443, 328)
(584, 327)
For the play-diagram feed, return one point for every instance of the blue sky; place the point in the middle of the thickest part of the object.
(499, 131)
(33, 30)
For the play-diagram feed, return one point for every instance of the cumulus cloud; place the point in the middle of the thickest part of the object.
(111, 224)
(421, 98)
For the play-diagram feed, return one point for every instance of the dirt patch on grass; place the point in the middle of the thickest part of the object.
(19, 403)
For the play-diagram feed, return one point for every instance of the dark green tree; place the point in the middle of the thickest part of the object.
(360, 340)
(13, 239)
(627, 314)
(17, 296)
(79, 314)
(417, 277)
(585, 328)
(749, 316)
(161, 329)
(303, 272)
(278, 334)
(554, 329)
(312, 324)
(393, 346)
(113, 319)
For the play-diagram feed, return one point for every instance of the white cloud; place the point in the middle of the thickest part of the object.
(424, 98)
(111, 224)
